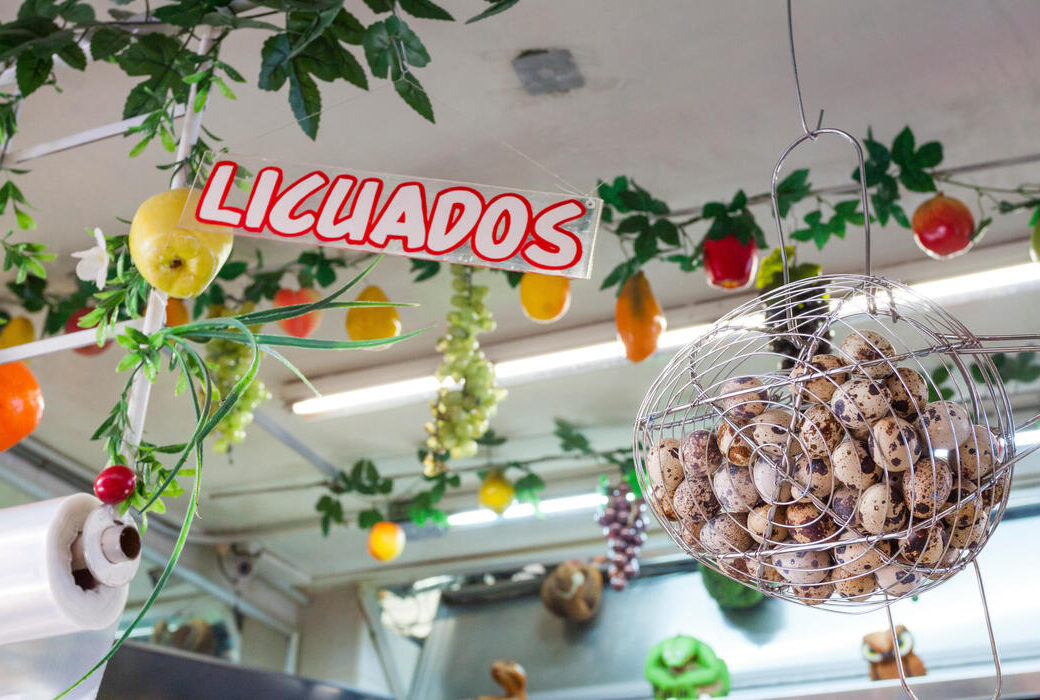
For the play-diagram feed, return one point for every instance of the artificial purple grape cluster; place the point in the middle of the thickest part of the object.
(624, 525)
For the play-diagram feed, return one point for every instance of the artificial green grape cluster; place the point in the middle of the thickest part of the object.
(461, 414)
(228, 361)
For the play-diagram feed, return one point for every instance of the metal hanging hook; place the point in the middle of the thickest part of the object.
(811, 133)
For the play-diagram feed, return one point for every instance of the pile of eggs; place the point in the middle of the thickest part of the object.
(839, 481)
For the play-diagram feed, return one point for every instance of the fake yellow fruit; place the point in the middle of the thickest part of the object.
(496, 493)
(373, 323)
(386, 541)
(545, 298)
(179, 261)
(16, 331)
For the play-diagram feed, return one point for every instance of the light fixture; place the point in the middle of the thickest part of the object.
(517, 511)
(612, 353)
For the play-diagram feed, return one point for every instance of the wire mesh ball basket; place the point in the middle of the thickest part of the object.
(802, 447)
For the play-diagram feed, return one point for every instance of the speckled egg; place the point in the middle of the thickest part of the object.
(858, 558)
(858, 403)
(694, 500)
(853, 465)
(821, 432)
(661, 502)
(924, 546)
(802, 567)
(726, 532)
(894, 444)
(851, 586)
(862, 347)
(948, 561)
(691, 535)
(822, 388)
(974, 458)
(813, 593)
(963, 537)
(770, 431)
(806, 523)
(733, 444)
(882, 509)
(844, 502)
(896, 581)
(927, 487)
(769, 479)
(965, 512)
(909, 392)
(663, 465)
(699, 454)
(812, 475)
(943, 425)
(747, 404)
(734, 488)
(758, 520)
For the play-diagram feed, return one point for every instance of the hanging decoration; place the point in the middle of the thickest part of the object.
(685, 667)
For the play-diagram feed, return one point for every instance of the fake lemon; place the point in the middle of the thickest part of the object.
(545, 298)
(373, 323)
(16, 331)
(496, 493)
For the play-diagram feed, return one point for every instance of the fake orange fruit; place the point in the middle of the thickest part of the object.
(176, 312)
(496, 493)
(385, 541)
(545, 298)
(21, 403)
(16, 331)
(373, 323)
(301, 326)
(639, 318)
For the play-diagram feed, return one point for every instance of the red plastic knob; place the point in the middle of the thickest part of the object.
(115, 484)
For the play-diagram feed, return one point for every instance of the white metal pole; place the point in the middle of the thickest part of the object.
(155, 313)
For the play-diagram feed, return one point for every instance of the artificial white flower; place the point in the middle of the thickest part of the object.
(93, 263)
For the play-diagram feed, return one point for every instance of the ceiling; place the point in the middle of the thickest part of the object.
(693, 99)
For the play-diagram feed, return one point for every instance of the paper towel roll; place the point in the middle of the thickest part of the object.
(38, 595)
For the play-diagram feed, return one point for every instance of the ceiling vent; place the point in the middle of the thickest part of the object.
(544, 71)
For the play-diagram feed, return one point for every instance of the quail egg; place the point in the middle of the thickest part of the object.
(768, 475)
(851, 586)
(813, 593)
(806, 523)
(858, 558)
(859, 402)
(975, 457)
(895, 445)
(909, 392)
(699, 454)
(844, 502)
(812, 476)
(802, 567)
(726, 532)
(694, 501)
(733, 443)
(758, 521)
(869, 351)
(663, 465)
(927, 486)
(771, 430)
(821, 388)
(896, 581)
(661, 502)
(944, 425)
(963, 537)
(854, 466)
(924, 546)
(734, 488)
(963, 513)
(882, 509)
(748, 403)
(691, 535)
(821, 432)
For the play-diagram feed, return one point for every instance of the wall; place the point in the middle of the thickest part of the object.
(262, 647)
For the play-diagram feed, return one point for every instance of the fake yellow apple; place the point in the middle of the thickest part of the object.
(179, 261)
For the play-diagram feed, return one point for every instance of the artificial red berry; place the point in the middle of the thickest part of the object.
(114, 484)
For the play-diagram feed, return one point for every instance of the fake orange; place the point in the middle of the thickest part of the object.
(176, 312)
(21, 403)
(639, 318)
(385, 541)
(545, 298)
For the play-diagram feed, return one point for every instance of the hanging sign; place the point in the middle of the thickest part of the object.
(454, 222)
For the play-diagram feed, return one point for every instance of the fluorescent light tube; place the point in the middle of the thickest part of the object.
(517, 511)
(612, 353)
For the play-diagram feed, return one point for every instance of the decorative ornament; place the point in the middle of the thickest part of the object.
(21, 403)
(885, 658)
(93, 262)
(513, 679)
(573, 591)
(729, 594)
(685, 667)
(624, 524)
